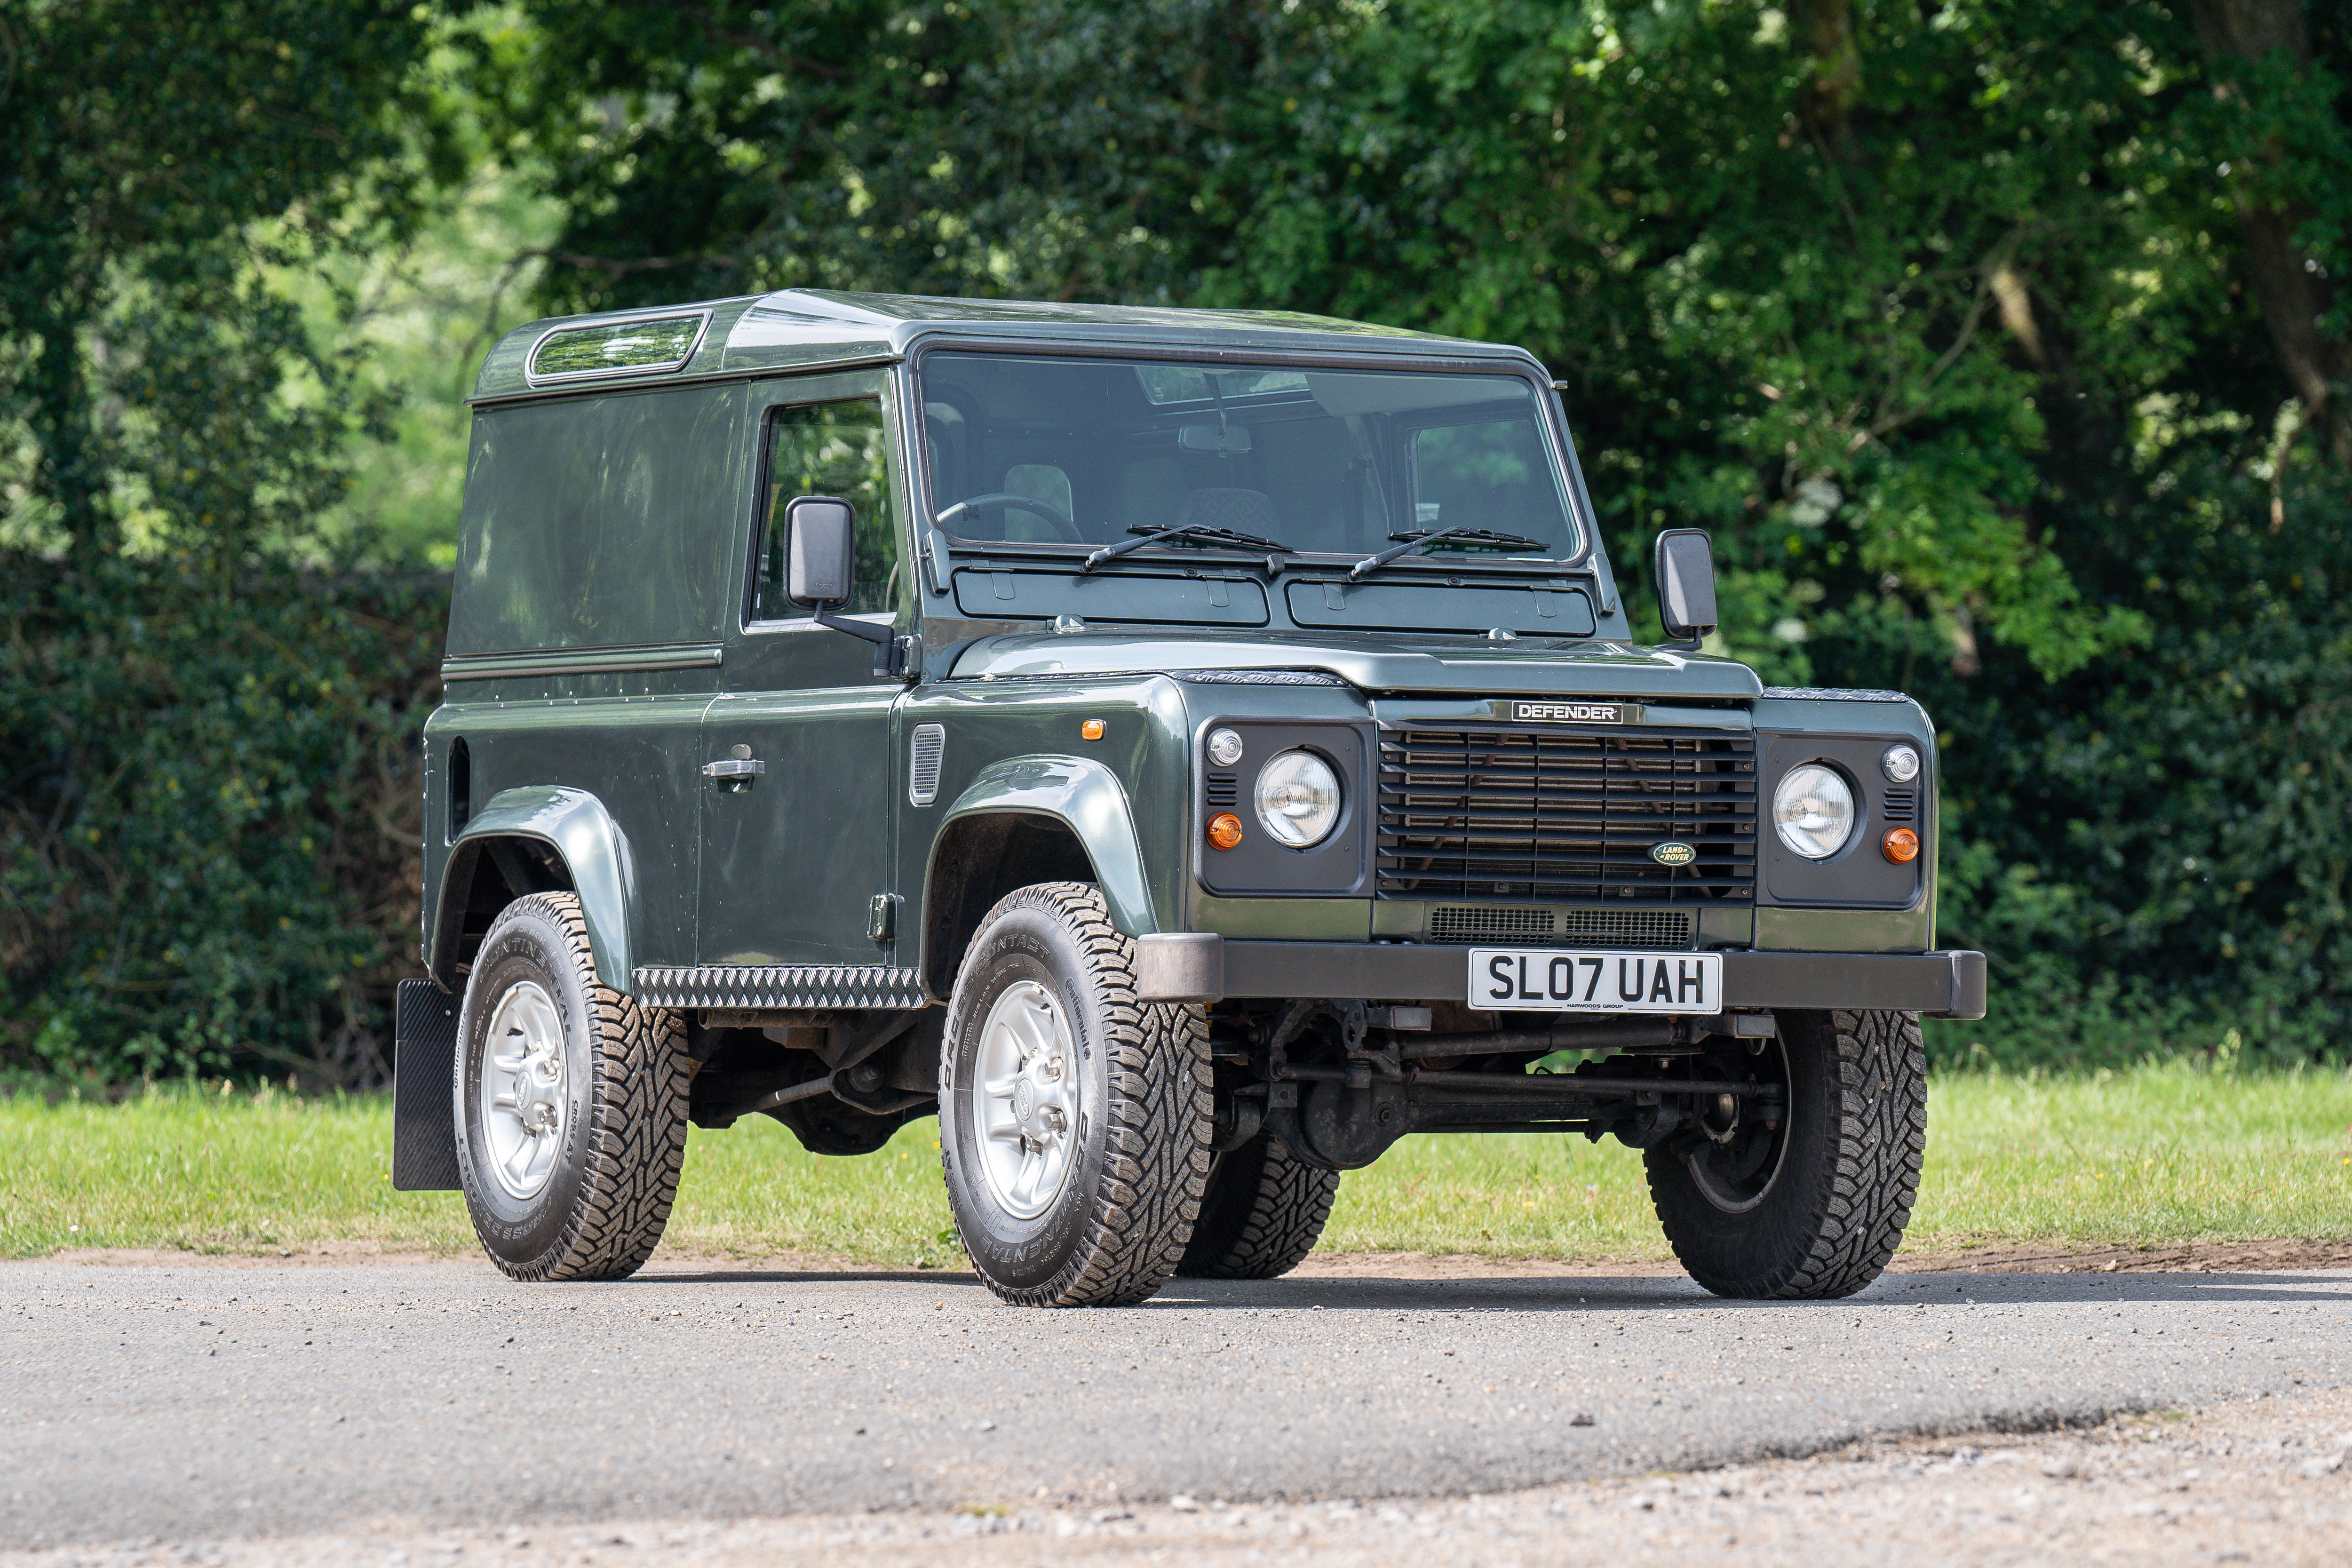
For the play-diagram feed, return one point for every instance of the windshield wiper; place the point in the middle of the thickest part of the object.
(1200, 530)
(1422, 540)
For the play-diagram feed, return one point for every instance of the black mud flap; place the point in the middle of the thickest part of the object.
(423, 1062)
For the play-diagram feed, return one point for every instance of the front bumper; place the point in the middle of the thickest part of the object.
(1205, 967)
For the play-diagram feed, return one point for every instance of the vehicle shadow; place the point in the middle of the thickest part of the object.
(1597, 1293)
(803, 1274)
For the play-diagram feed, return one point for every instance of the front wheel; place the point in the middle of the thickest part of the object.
(1810, 1205)
(1074, 1120)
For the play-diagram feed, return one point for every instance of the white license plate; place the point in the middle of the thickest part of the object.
(1546, 979)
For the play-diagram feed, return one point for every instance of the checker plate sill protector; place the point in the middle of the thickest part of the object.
(754, 986)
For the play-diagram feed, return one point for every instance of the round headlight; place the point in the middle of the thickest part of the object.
(1225, 748)
(1298, 799)
(1813, 810)
(1901, 763)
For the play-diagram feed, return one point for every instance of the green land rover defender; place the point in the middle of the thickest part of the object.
(1184, 751)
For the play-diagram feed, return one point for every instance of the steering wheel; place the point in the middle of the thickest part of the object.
(1002, 501)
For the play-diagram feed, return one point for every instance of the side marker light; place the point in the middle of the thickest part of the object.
(1224, 830)
(1092, 728)
(1900, 845)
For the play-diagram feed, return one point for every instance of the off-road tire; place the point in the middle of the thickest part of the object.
(1263, 1214)
(1117, 1229)
(609, 1195)
(1835, 1214)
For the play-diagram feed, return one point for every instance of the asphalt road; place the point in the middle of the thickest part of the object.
(214, 1402)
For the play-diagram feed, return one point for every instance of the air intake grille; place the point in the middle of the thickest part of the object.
(1475, 924)
(930, 744)
(1224, 791)
(1628, 928)
(1899, 804)
(1567, 814)
(1544, 928)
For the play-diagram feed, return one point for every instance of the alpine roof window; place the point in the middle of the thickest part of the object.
(647, 346)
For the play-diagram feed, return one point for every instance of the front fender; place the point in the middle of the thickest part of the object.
(1088, 798)
(593, 850)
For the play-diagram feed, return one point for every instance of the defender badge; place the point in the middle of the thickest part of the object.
(1672, 853)
(1569, 712)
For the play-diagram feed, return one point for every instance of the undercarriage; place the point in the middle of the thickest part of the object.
(1342, 1081)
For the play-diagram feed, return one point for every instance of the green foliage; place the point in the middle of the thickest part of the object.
(211, 821)
(204, 783)
(2157, 850)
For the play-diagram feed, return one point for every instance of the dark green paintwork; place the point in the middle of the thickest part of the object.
(610, 534)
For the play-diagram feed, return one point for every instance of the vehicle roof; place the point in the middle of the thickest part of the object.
(797, 329)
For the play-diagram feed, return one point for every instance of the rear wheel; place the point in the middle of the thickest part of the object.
(1814, 1205)
(1074, 1120)
(571, 1102)
(1265, 1211)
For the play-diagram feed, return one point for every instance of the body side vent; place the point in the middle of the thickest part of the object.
(930, 746)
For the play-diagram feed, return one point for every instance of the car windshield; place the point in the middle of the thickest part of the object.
(1319, 461)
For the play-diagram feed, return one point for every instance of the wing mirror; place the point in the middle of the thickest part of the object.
(1686, 574)
(820, 550)
(820, 569)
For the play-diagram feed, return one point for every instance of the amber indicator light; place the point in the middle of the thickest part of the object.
(1224, 830)
(1900, 845)
(1092, 728)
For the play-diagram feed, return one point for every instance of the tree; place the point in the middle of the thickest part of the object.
(189, 728)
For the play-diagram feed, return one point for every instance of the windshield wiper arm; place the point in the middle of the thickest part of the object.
(1200, 530)
(1418, 539)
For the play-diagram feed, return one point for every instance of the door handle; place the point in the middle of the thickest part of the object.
(734, 774)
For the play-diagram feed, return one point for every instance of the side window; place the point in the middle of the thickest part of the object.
(831, 449)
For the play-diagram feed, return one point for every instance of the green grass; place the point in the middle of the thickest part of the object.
(2156, 1156)
(2152, 1156)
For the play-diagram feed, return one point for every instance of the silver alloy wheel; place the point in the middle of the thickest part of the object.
(1028, 1107)
(522, 1089)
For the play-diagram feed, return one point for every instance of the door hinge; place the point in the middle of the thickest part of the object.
(882, 918)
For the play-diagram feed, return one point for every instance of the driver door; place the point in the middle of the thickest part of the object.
(794, 856)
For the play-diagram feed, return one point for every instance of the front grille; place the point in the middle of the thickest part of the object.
(1565, 815)
(1503, 922)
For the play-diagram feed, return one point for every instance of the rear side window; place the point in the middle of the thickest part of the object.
(843, 449)
(605, 522)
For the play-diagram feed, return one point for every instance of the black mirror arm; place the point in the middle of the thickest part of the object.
(890, 655)
(855, 628)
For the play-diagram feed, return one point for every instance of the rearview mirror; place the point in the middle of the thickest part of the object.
(1685, 573)
(1211, 438)
(820, 549)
